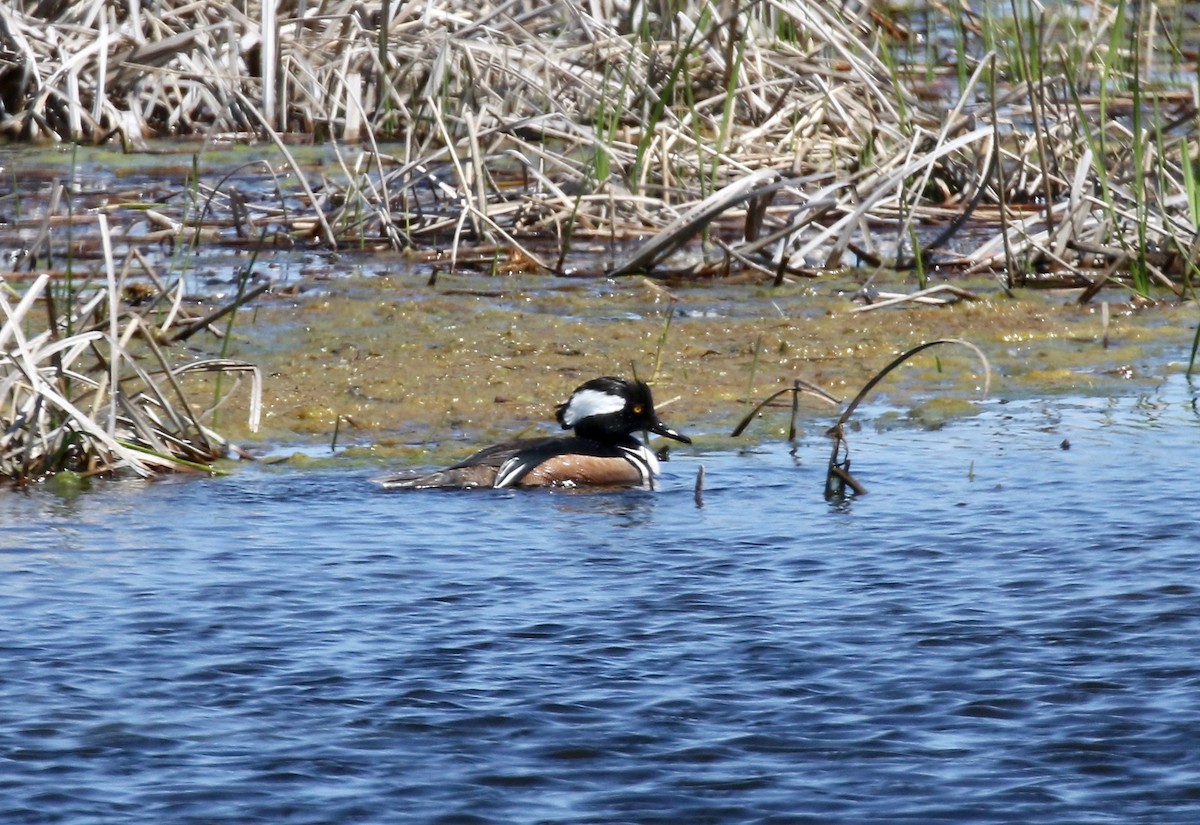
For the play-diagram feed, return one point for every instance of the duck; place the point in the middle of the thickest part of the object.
(603, 415)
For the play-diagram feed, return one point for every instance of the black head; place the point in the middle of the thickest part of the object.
(607, 409)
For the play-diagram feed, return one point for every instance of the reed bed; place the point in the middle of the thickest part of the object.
(90, 385)
(1049, 144)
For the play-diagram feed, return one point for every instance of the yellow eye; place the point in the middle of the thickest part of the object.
(637, 409)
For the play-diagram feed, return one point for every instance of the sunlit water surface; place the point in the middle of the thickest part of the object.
(1002, 630)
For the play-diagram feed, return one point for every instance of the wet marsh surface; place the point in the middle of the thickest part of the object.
(396, 352)
(394, 356)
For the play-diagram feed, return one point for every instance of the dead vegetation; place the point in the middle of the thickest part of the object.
(89, 386)
(1049, 144)
(772, 139)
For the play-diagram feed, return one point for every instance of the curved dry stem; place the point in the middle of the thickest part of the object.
(798, 388)
(900, 359)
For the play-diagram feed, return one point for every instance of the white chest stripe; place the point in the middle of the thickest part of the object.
(645, 461)
(586, 403)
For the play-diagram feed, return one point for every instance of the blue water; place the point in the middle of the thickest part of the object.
(1001, 631)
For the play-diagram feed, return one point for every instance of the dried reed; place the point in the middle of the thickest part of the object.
(86, 386)
(1054, 149)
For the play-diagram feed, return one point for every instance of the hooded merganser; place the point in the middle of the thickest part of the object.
(604, 413)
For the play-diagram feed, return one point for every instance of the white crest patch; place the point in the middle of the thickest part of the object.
(586, 403)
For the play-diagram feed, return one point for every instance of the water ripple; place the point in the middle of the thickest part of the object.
(1001, 632)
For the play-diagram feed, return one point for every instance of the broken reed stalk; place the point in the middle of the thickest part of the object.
(243, 297)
